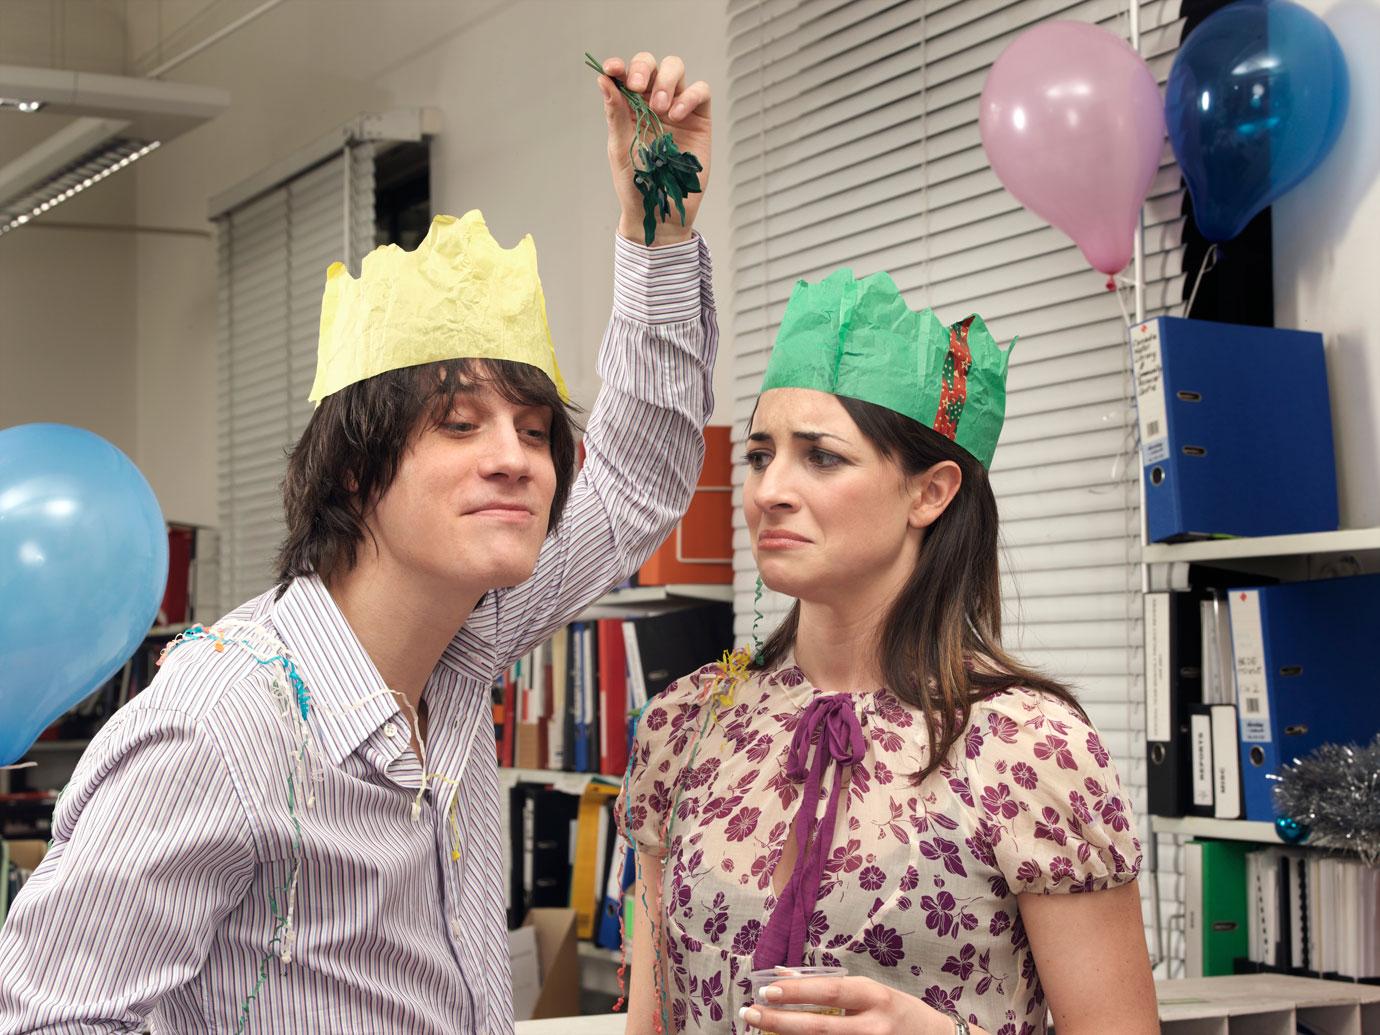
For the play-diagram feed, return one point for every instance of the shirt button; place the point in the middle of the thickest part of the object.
(390, 732)
(455, 927)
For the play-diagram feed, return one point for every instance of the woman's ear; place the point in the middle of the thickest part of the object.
(932, 491)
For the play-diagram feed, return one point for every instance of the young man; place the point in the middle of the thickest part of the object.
(296, 828)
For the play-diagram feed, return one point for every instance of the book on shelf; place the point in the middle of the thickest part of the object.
(1235, 430)
(1188, 670)
(1312, 914)
(1303, 658)
(1243, 677)
(563, 850)
(1216, 928)
(571, 704)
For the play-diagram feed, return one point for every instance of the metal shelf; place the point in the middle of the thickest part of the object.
(569, 783)
(621, 602)
(1346, 540)
(1221, 829)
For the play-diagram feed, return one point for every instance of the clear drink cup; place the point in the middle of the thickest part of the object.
(762, 978)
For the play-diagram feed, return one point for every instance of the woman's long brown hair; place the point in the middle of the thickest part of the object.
(940, 644)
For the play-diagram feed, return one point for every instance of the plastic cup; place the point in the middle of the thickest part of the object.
(762, 978)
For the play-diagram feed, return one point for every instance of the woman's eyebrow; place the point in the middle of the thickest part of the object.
(815, 436)
(804, 436)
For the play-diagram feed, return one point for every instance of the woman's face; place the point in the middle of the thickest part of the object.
(830, 517)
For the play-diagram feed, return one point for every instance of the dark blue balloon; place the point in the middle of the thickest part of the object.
(83, 565)
(1255, 100)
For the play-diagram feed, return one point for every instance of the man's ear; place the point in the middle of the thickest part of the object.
(932, 491)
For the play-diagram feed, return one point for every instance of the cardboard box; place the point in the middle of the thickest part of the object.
(27, 854)
(549, 978)
(700, 550)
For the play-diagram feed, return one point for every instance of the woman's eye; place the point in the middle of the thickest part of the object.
(820, 458)
(757, 459)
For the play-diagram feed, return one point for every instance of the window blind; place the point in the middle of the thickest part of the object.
(273, 252)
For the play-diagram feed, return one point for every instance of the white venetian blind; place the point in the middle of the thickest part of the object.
(854, 132)
(273, 255)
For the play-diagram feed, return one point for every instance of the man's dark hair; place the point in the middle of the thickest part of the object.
(354, 443)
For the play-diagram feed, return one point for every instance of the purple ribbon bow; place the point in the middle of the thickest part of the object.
(830, 724)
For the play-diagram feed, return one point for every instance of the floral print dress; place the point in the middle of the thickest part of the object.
(919, 888)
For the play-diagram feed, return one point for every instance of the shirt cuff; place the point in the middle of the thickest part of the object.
(661, 285)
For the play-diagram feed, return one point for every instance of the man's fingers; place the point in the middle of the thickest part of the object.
(693, 100)
(670, 77)
(614, 67)
(640, 71)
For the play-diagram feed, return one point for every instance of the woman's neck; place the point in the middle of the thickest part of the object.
(836, 646)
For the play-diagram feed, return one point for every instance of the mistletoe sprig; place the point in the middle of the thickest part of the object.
(662, 172)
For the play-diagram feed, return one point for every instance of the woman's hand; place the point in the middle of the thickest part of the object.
(683, 110)
(868, 1006)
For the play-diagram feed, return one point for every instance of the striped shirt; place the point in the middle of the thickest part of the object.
(175, 838)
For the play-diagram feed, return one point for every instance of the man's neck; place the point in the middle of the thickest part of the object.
(403, 624)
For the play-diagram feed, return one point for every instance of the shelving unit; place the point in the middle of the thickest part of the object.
(1221, 829)
(1346, 540)
(622, 602)
(569, 783)
(1290, 557)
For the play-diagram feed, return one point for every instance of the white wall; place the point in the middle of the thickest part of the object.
(1327, 259)
(67, 296)
(523, 140)
(67, 320)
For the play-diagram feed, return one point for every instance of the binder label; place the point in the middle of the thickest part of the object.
(1248, 655)
(1157, 670)
(1150, 399)
(1200, 744)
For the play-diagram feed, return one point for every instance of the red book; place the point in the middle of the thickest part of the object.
(613, 698)
(508, 748)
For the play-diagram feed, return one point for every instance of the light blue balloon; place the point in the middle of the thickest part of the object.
(83, 566)
(1255, 100)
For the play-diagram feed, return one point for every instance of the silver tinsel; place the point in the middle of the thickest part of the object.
(1334, 793)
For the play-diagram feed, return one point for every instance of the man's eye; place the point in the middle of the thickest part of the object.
(458, 426)
(537, 434)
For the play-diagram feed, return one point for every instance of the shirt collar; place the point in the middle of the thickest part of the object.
(348, 698)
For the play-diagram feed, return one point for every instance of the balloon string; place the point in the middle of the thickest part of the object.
(1209, 263)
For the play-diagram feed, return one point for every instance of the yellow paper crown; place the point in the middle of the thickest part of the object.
(460, 295)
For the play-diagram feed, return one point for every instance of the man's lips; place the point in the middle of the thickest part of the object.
(502, 511)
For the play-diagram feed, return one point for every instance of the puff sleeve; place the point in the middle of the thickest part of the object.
(1048, 805)
(657, 763)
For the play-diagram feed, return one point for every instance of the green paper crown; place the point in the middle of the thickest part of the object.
(858, 338)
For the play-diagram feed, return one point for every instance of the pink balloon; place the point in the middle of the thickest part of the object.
(1072, 122)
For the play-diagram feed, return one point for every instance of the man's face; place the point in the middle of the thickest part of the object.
(471, 502)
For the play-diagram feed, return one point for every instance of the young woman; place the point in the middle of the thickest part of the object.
(883, 788)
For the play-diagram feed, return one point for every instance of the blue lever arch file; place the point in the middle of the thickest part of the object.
(1305, 674)
(1235, 430)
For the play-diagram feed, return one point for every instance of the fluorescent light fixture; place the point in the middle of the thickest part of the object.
(121, 120)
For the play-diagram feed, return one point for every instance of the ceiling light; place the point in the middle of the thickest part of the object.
(122, 120)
